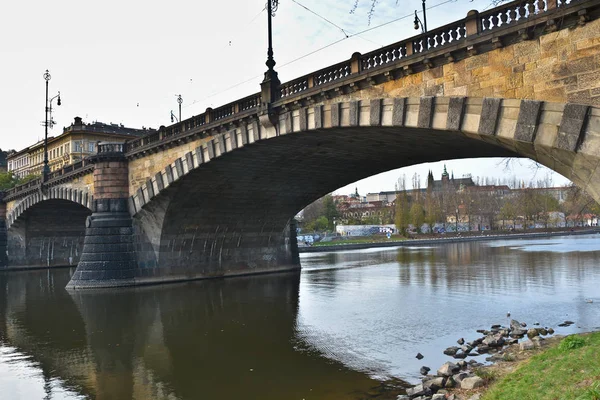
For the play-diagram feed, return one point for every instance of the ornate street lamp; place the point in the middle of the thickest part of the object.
(173, 117)
(270, 85)
(272, 6)
(180, 101)
(48, 109)
(418, 21)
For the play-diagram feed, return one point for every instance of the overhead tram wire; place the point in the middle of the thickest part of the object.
(334, 24)
(321, 48)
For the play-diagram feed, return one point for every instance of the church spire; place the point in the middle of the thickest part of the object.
(445, 173)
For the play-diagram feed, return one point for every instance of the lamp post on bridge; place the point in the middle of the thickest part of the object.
(418, 22)
(46, 168)
(270, 85)
(180, 101)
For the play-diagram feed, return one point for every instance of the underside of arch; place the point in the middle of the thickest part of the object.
(48, 233)
(232, 215)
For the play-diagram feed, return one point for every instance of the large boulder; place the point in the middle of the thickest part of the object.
(533, 332)
(514, 324)
(493, 341)
(518, 333)
(434, 384)
(417, 391)
(472, 382)
(448, 369)
(450, 351)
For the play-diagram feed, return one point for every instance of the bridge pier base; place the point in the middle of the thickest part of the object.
(108, 257)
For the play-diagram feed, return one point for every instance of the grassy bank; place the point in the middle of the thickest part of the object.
(569, 369)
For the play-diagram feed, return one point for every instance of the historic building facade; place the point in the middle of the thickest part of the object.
(75, 143)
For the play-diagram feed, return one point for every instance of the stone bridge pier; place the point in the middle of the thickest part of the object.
(108, 254)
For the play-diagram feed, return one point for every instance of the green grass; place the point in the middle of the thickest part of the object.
(570, 370)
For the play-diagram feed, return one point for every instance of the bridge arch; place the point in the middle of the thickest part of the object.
(79, 196)
(48, 229)
(227, 205)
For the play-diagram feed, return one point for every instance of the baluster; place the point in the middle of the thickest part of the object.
(513, 15)
(485, 23)
(403, 51)
(445, 37)
(531, 8)
(541, 6)
(522, 11)
(462, 31)
(503, 17)
(563, 3)
(454, 34)
(494, 21)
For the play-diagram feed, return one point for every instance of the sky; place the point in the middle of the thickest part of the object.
(126, 61)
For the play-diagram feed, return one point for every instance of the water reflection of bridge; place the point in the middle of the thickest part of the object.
(215, 339)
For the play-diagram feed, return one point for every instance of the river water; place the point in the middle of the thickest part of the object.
(347, 327)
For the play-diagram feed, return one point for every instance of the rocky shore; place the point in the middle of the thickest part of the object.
(461, 379)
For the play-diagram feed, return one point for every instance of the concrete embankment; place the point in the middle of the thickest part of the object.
(458, 239)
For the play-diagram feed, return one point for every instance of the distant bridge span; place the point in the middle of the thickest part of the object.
(215, 194)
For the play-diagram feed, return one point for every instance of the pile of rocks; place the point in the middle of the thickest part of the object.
(461, 374)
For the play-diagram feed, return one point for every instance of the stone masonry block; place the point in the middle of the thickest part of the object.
(131, 204)
(303, 120)
(455, 113)
(244, 133)
(179, 167)
(398, 111)
(189, 159)
(233, 139)
(256, 130)
(490, 111)
(169, 173)
(150, 188)
(210, 146)
(159, 181)
(288, 122)
(335, 115)
(426, 105)
(375, 112)
(221, 144)
(529, 114)
(199, 155)
(318, 117)
(353, 113)
(572, 126)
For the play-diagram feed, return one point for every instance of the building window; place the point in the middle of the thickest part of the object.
(91, 147)
(77, 144)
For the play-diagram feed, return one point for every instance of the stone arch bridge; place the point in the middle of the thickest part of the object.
(215, 195)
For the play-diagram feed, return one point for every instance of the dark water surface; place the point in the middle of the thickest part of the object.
(347, 326)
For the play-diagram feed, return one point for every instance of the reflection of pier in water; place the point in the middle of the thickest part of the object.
(215, 339)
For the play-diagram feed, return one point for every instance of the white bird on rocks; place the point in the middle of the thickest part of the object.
(589, 300)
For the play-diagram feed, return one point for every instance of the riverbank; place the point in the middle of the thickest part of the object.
(444, 239)
(554, 367)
